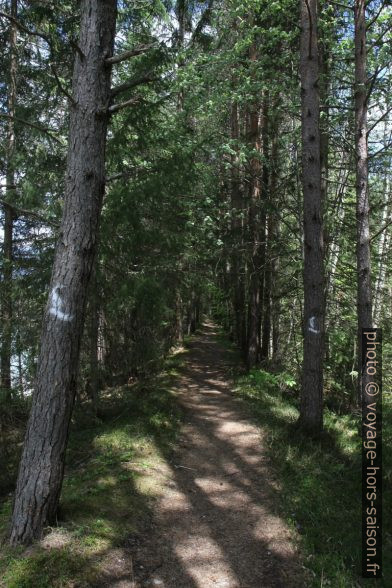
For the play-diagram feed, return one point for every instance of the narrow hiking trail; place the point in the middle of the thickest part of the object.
(215, 523)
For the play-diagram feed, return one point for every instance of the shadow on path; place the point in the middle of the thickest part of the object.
(215, 523)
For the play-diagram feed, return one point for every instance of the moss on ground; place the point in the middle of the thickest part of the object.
(108, 490)
(320, 480)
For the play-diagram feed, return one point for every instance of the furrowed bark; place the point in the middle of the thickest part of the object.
(42, 463)
(364, 289)
(311, 406)
(383, 256)
(93, 340)
(6, 299)
(274, 253)
(237, 209)
(256, 234)
(266, 220)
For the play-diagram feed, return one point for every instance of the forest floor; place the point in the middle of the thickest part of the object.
(197, 477)
(215, 523)
(170, 487)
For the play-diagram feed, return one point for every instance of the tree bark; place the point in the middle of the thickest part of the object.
(94, 379)
(273, 252)
(237, 210)
(6, 302)
(178, 326)
(181, 17)
(42, 463)
(364, 289)
(383, 256)
(266, 322)
(256, 233)
(311, 406)
(266, 244)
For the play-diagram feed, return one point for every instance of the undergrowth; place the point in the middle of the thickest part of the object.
(108, 490)
(320, 480)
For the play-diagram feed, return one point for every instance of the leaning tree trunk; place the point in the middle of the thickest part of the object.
(6, 299)
(311, 407)
(42, 463)
(364, 289)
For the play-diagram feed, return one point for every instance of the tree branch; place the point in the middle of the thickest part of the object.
(47, 40)
(372, 81)
(23, 212)
(116, 107)
(379, 120)
(380, 37)
(25, 29)
(125, 174)
(33, 126)
(60, 86)
(381, 230)
(204, 20)
(341, 5)
(128, 54)
(375, 17)
(385, 148)
(133, 83)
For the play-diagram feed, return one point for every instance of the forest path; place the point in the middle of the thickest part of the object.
(215, 523)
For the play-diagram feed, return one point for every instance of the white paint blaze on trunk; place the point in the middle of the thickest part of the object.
(311, 407)
(313, 325)
(42, 463)
(57, 305)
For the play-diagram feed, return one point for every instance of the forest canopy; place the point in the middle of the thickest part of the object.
(219, 159)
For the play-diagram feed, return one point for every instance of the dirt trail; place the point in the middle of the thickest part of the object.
(215, 525)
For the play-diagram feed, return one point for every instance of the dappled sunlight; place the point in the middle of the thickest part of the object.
(137, 513)
(216, 521)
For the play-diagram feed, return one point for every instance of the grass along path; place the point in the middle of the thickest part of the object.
(216, 521)
(108, 493)
(190, 481)
(143, 505)
(320, 481)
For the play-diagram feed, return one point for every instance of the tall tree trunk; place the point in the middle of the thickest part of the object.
(256, 232)
(383, 256)
(178, 326)
(42, 463)
(237, 209)
(324, 85)
(311, 406)
(364, 290)
(266, 244)
(266, 306)
(6, 302)
(93, 341)
(273, 248)
(275, 295)
(253, 346)
(181, 17)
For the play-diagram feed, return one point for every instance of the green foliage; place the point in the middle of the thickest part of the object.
(166, 247)
(109, 488)
(320, 482)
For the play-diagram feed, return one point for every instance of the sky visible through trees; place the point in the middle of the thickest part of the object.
(162, 163)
